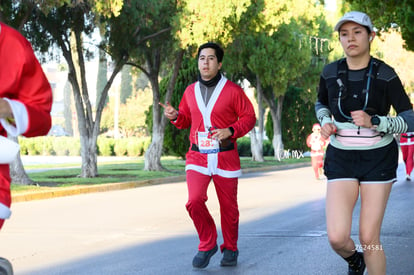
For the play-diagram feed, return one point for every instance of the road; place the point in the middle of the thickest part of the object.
(147, 230)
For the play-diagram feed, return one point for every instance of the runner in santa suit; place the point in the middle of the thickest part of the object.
(407, 149)
(218, 112)
(317, 143)
(25, 103)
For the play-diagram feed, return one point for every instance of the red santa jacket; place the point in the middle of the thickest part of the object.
(24, 83)
(407, 139)
(22, 79)
(228, 107)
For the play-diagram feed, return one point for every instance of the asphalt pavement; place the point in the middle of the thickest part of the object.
(147, 230)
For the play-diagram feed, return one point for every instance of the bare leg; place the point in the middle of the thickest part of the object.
(374, 199)
(341, 197)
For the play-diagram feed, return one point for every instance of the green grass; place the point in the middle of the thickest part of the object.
(119, 171)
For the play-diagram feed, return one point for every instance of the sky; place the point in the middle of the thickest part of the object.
(330, 5)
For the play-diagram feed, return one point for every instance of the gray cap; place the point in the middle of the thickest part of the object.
(357, 17)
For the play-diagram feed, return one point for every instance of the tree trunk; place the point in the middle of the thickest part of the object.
(17, 173)
(89, 157)
(257, 150)
(277, 129)
(102, 71)
(256, 143)
(276, 113)
(154, 151)
(87, 126)
(67, 108)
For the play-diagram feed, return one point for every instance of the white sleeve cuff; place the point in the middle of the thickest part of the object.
(383, 126)
(4, 212)
(21, 118)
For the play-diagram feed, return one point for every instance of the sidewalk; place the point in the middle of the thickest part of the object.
(84, 189)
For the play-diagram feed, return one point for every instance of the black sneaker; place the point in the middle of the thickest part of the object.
(229, 257)
(202, 258)
(357, 270)
(5, 267)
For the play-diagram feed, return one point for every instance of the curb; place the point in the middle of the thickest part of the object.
(78, 190)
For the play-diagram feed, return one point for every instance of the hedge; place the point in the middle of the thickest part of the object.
(70, 146)
(243, 146)
(132, 147)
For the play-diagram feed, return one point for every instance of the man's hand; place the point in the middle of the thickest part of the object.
(5, 110)
(221, 134)
(169, 111)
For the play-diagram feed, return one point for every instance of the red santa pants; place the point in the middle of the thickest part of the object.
(226, 189)
(408, 152)
(317, 162)
(5, 197)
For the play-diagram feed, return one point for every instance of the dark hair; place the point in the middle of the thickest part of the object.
(367, 28)
(219, 51)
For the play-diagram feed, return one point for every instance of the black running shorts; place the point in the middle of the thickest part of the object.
(366, 166)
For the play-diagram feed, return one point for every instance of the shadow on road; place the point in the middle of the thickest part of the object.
(292, 241)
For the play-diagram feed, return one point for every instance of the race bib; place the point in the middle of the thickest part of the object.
(206, 144)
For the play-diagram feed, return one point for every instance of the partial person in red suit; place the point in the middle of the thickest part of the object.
(25, 105)
(218, 112)
(317, 143)
(407, 149)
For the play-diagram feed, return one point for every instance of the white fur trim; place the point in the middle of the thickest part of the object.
(4, 212)
(9, 149)
(220, 172)
(20, 116)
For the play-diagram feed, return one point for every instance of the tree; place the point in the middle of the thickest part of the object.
(126, 84)
(299, 104)
(271, 49)
(288, 32)
(141, 37)
(298, 118)
(202, 21)
(390, 48)
(150, 23)
(237, 65)
(59, 23)
(247, 51)
(176, 141)
(131, 115)
(58, 26)
(277, 72)
(154, 151)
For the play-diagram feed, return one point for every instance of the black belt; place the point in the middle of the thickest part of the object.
(229, 147)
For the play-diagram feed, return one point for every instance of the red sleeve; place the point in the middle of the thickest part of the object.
(36, 94)
(25, 81)
(245, 111)
(308, 140)
(184, 113)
